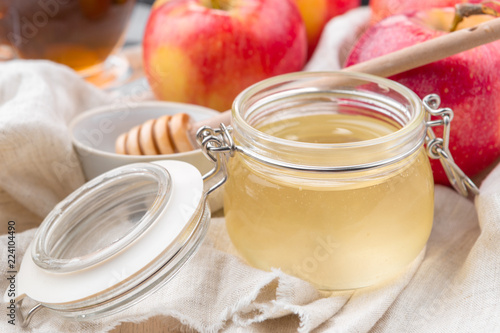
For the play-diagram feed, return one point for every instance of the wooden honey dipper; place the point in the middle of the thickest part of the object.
(165, 135)
(179, 132)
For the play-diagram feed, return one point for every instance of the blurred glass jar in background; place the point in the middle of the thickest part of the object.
(6, 51)
(82, 34)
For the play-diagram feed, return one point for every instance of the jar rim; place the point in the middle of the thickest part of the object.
(413, 130)
(83, 198)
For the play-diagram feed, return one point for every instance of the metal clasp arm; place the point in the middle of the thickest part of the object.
(438, 148)
(25, 320)
(218, 146)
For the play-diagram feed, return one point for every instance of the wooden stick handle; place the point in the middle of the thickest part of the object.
(405, 59)
(430, 51)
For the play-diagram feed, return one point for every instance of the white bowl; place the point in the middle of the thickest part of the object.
(94, 133)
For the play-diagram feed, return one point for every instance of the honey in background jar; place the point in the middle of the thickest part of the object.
(78, 33)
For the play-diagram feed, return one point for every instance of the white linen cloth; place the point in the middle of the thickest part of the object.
(37, 162)
(453, 287)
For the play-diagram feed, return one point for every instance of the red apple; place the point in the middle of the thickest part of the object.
(384, 8)
(317, 13)
(467, 82)
(206, 52)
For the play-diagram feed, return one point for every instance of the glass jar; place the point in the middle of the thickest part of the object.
(85, 35)
(331, 181)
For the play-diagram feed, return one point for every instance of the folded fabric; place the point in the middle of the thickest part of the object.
(38, 99)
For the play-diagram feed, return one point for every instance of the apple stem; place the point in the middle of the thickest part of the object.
(220, 4)
(215, 4)
(464, 10)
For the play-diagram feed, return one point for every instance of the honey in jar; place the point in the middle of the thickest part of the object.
(78, 33)
(337, 232)
(332, 183)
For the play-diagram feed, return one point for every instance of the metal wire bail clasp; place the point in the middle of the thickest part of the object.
(24, 319)
(218, 146)
(438, 148)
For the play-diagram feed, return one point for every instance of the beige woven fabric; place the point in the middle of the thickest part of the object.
(37, 163)
(453, 287)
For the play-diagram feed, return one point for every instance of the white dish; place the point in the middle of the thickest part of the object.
(94, 133)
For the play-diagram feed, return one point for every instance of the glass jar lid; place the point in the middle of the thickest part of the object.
(91, 231)
(116, 238)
